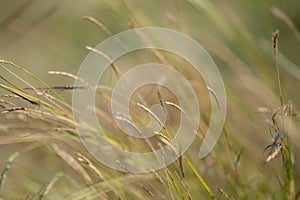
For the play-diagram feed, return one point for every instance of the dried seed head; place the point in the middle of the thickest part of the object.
(275, 43)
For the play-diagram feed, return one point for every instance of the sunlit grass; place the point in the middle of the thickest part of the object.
(42, 156)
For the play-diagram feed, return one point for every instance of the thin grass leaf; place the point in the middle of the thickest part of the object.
(7, 167)
(25, 96)
(7, 103)
(13, 110)
(33, 76)
(147, 190)
(43, 192)
(162, 103)
(71, 161)
(19, 78)
(102, 187)
(66, 87)
(227, 196)
(98, 23)
(214, 95)
(17, 91)
(275, 49)
(289, 172)
(66, 74)
(152, 114)
(116, 69)
(238, 157)
(201, 180)
(129, 122)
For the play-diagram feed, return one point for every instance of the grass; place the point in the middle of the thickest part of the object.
(282, 141)
(256, 157)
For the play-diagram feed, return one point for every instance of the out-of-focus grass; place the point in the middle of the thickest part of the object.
(45, 36)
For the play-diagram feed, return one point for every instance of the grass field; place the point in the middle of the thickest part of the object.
(255, 45)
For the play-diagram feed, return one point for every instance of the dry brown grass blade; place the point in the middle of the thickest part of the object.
(164, 139)
(147, 190)
(81, 158)
(198, 132)
(152, 114)
(214, 95)
(155, 52)
(162, 103)
(274, 120)
(13, 96)
(72, 162)
(275, 147)
(45, 116)
(181, 166)
(129, 122)
(13, 110)
(175, 106)
(24, 138)
(33, 136)
(274, 152)
(275, 49)
(7, 103)
(116, 69)
(98, 23)
(66, 74)
(227, 196)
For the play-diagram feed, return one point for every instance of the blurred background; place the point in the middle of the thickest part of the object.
(43, 36)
